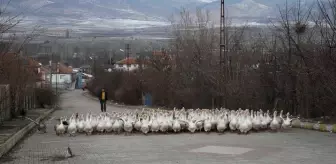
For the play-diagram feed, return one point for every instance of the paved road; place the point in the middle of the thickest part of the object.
(292, 147)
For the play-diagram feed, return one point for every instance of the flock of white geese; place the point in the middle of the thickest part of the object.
(175, 121)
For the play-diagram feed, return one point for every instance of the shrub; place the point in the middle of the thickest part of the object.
(130, 96)
(122, 87)
(45, 96)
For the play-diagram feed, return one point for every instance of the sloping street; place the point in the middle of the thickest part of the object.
(293, 146)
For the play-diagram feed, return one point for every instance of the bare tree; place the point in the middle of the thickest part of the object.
(13, 70)
(290, 66)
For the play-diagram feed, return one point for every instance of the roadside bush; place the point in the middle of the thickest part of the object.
(129, 91)
(45, 96)
(122, 87)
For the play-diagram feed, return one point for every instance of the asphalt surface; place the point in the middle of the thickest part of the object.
(291, 147)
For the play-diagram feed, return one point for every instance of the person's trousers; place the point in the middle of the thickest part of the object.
(103, 106)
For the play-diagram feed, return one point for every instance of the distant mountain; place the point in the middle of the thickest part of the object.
(240, 8)
(253, 11)
(120, 9)
(86, 15)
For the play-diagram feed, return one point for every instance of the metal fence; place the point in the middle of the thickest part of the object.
(7, 107)
(61, 87)
(4, 103)
(58, 86)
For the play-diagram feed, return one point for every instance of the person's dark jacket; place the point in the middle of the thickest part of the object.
(100, 96)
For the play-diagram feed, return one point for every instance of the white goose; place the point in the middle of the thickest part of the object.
(128, 125)
(243, 123)
(117, 125)
(233, 121)
(72, 128)
(269, 119)
(80, 124)
(248, 121)
(170, 121)
(222, 123)
(88, 129)
(145, 126)
(207, 124)
(173, 121)
(138, 122)
(287, 123)
(256, 121)
(184, 118)
(108, 126)
(199, 124)
(164, 125)
(101, 123)
(264, 120)
(176, 124)
(155, 124)
(275, 123)
(191, 121)
(214, 119)
(94, 122)
(60, 128)
(280, 118)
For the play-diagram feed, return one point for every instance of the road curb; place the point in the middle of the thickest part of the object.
(14, 139)
(315, 126)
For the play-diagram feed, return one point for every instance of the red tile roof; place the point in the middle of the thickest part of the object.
(63, 69)
(159, 53)
(13, 64)
(33, 62)
(162, 54)
(129, 60)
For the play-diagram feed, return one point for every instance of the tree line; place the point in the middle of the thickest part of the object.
(291, 68)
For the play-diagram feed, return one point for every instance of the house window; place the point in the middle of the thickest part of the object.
(62, 76)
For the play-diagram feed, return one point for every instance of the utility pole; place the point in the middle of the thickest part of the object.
(110, 58)
(51, 69)
(222, 53)
(127, 53)
(94, 66)
(57, 75)
(140, 60)
(93, 58)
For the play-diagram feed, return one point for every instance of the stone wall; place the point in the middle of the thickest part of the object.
(314, 126)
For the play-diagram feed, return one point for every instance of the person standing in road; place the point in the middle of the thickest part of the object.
(84, 87)
(103, 99)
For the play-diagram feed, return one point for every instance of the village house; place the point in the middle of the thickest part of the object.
(40, 71)
(15, 65)
(132, 63)
(128, 64)
(61, 75)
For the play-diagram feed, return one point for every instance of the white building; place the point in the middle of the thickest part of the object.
(127, 64)
(62, 77)
(62, 81)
